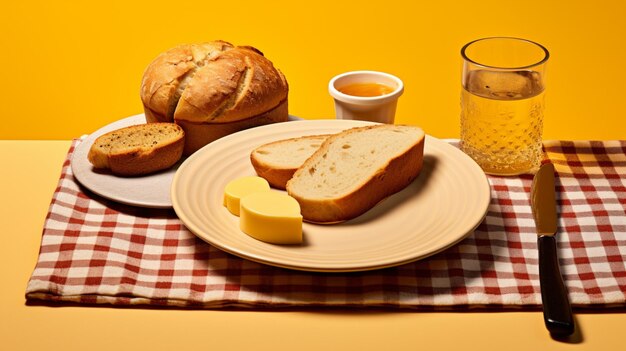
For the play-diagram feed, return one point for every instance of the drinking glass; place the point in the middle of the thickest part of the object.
(502, 104)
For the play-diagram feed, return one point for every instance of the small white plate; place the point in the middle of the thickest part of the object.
(441, 207)
(151, 191)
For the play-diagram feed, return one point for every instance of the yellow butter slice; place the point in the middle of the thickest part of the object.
(240, 187)
(272, 217)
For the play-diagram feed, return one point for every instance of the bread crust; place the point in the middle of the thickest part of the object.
(165, 73)
(140, 163)
(238, 84)
(218, 83)
(199, 85)
(138, 160)
(399, 172)
(198, 135)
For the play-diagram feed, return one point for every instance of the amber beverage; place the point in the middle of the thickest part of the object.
(502, 104)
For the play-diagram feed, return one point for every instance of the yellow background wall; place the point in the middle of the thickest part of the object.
(70, 67)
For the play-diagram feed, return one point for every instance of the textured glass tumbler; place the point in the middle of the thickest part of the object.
(502, 104)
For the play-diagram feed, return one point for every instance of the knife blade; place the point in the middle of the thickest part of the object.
(557, 312)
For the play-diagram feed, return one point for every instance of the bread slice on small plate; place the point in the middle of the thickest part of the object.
(278, 161)
(139, 149)
(354, 170)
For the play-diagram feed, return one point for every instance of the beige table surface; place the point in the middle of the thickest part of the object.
(29, 173)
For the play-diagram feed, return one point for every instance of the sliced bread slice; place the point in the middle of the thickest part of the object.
(354, 170)
(139, 149)
(278, 161)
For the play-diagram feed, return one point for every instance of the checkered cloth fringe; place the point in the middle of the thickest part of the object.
(95, 251)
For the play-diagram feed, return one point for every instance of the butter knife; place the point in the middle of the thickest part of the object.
(557, 312)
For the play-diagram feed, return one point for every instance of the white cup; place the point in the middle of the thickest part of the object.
(380, 109)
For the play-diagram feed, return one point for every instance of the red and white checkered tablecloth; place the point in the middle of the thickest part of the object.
(97, 251)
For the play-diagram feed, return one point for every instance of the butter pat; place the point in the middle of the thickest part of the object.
(271, 217)
(236, 189)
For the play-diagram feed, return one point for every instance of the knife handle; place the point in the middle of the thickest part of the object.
(557, 312)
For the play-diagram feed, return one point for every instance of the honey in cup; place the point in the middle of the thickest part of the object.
(366, 95)
(366, 89)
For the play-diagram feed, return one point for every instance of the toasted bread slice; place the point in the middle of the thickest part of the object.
(354, 170)
(139, 149)
(279, 160)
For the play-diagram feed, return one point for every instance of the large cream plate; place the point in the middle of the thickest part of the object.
(442, 206)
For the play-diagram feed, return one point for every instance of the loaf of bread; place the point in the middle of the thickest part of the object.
(139, 149)
(213, 89)
(278, 161)
(354, 170)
